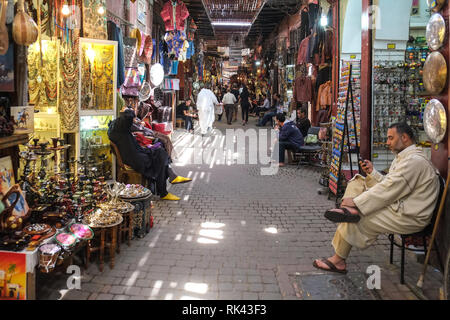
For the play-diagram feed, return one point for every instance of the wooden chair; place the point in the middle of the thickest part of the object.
(125, 173)
(426, 232)
(179, 123)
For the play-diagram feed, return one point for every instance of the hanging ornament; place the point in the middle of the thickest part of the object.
(25, 30)
(4, 39)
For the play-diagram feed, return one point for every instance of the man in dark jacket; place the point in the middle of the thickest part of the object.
(235, 91)
(303, 123)
(290, 137)
(153, 164)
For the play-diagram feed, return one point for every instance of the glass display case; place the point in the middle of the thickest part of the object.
(97, 105)
(98, 69)
(47, 125)
(94, 146)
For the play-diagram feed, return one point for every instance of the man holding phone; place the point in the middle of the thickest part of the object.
(399, 202)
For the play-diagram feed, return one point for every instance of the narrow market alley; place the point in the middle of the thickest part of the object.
(237, 234)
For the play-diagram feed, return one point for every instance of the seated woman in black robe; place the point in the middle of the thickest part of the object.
(153, 164)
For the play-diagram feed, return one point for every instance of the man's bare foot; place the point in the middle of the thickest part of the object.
(337, 261)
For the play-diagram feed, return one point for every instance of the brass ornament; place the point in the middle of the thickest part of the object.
(435, 5)
(435, 73)
(435, 33)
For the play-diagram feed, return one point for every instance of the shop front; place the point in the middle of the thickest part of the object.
(399, 53)
(63, 192)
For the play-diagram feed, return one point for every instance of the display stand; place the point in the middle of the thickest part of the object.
(97, 99)
(341, 138)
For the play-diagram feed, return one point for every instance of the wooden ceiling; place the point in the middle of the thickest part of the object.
(265, 16)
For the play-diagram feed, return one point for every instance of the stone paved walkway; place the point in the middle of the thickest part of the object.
(235, 235)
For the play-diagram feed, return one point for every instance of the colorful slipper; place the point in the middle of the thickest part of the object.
(180, 179)
(344, 216)
(330, 265)
(170, 197)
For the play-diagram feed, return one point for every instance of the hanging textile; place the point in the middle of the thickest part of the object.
(115, 34)
(164, 57)
(147, 50)
(175, 43)
(171, 84)
(191, 50)
(174, 68)
(183, 52)
(174, 14)
(69, 73)
(42, 75)
(130, 55)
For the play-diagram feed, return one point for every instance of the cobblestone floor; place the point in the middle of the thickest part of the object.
(236, 235)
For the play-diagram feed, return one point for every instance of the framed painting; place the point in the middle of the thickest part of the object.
(6, 174)
(13, 276)
(23, 119)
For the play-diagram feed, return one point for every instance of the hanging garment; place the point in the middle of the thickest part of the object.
(302, 56)
(164, 57)
(324, 96)
(115, 34)
(174, 21)
(175, 42)
(304, 25)
(326, 47)
(313, 12)
(323, 75)
(191, 50)
(183, 52)
(174, 68)
(303, 89)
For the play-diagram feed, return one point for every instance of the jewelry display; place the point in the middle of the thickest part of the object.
(42, 78)
(97, 77)
(94, 24)
(69, 88)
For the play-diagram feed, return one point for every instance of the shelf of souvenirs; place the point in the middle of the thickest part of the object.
(93, 129)
(98, 146)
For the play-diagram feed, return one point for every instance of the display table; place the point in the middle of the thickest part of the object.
(25, 268)
(108, 239)
(142, 215)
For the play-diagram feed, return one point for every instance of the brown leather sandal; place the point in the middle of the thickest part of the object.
(330, 265)
(344, 216)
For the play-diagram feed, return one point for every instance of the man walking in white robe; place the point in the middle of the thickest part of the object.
(206, 100)
(401, 202)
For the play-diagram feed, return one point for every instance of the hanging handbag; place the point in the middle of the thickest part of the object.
(147, 51)
(129, 51)
(132, 82)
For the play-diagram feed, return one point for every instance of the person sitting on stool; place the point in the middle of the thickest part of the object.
(290, 137)
(272, 111)
(401, 202)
